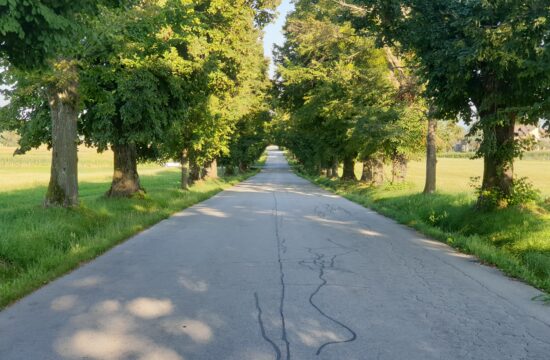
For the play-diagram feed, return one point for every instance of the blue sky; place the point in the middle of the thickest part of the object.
(274, 31)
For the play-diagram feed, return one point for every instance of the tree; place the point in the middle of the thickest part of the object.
(485, 61)
(132, 87)
(37, 36)
(332, 83)
(32, 31)
(228, 89)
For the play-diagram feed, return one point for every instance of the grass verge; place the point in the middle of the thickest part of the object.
(516, 240)
(37, 245)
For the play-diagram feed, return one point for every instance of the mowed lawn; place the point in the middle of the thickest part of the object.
(33, 169)
(454, 175)
(38, 244)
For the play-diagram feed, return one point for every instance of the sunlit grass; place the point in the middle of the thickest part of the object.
(38, 244)
(516, 240)
(454, 175)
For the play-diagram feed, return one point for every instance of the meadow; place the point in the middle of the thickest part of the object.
(514, 239)
(37, 244)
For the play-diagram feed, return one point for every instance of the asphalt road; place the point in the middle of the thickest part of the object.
(276, 268)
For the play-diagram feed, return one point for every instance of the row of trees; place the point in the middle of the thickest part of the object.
(343, 98)
(486, 63)
(149, 79)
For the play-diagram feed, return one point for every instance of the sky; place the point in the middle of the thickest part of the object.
(274, 32)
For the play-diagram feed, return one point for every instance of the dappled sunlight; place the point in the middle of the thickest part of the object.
(328, 221)
(87, 282)
(64, 303)
(107, 307)
(112, 330)
(149, 308)
(433, 245)
(191, 284)
(211, 212)
(197, 330)
(368, 232)
(312, 334)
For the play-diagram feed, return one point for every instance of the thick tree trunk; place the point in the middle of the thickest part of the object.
(125, 178)
(498, 170)
(431, 157)
(210, 171)
(195, 172)
(184, 170)
(399, 168)
(63, 102)
(334, 172)
(373, 171)
(349, 169)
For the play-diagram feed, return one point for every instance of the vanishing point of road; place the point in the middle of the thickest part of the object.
(276, 268)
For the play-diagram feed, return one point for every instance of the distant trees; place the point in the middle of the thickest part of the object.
(343, 106)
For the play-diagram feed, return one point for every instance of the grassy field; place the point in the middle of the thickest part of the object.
(454, 174)
(37, 244)
(33, 169)
(516, 240)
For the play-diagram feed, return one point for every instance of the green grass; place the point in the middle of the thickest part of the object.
(516, 240)
(530, 155)
(38, 244)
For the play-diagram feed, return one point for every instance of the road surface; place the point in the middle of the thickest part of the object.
(276, 268)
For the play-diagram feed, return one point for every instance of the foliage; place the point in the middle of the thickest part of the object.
(335, 85)
(485, 61)
(448, 135)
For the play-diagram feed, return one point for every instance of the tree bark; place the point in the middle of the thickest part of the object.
(195, 172)
(399, 168)
(184, 170)
(373, 171)
(243, 167)
(431, 157)
(335, 164)
(210, 171)
(125, 178)
(498, 170)
(349, 169)
(63, 101)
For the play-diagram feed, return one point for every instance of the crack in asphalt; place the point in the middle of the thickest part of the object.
(321, 266)
(280, 249)
(262, 328)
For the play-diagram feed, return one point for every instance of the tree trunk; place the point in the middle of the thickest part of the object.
(210, 171)
(195, 172)
(431, 157)
(349, 169)
(498, 170)
(63, 101)
(399, 168)
(243, 167)
(373, 171)
(229, 170)
(125, 178)
(366, 175)
(184, 170)
(334, 172)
